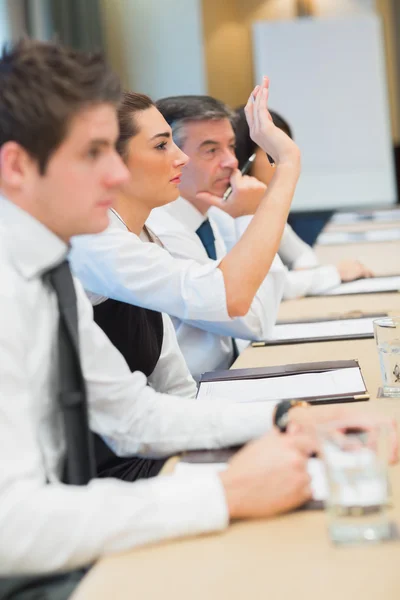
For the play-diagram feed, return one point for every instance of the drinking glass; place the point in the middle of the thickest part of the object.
(387, 337)
(356, 465)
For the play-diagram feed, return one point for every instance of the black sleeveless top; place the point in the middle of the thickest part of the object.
(138, 334)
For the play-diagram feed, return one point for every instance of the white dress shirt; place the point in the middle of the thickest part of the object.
(176, 224)
(171, 374)
(117, 264)
(305, 275)
(52, 526)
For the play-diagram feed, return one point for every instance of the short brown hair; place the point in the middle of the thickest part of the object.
(42, 87)
(130, 104)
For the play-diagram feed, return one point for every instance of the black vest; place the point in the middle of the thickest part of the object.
(138, 334)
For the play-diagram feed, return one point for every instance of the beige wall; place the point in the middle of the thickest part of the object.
(113, 19)
(384, 8)
(228, 49)
(156, 45)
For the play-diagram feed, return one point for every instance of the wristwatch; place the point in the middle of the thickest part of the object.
(281, 417)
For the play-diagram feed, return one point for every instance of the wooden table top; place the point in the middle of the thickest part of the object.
(382, 257)
(284, 557)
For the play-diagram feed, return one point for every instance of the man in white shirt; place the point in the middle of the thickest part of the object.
(58, 173)
(203, 128)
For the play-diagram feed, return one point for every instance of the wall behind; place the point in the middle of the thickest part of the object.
(12, 20)
(228, 43)
(4, 27)
(156, 46)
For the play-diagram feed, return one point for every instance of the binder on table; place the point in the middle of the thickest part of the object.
(369, 285)
(382, 215)
(321, 330)
(337, 238)
(326, 382)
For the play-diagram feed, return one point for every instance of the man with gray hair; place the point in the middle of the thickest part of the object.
(203, 128)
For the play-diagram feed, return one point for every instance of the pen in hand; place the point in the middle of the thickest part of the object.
(243, 171)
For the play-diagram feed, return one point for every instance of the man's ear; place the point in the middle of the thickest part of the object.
(15, 164)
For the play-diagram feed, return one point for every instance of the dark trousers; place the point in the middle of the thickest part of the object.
(129, 468)
(52, 587)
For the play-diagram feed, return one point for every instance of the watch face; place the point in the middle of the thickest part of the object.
(283, 422)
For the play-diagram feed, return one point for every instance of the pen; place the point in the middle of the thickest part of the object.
(245, 170)
(320, 400)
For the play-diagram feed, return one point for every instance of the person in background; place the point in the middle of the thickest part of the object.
(306, 275)
(208, 297)
(202, 128)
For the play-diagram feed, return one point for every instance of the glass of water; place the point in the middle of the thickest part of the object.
(387, 336)
(356, 465)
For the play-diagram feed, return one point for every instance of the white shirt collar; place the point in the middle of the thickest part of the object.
(186, 213)
(32, 247)
(117, 222)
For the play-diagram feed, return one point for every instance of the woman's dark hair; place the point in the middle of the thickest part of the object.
(131, 104)
(245, 146)
(43, 86)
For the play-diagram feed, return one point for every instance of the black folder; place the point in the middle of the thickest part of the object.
(322, 338)
(331, 294)
(294, 369)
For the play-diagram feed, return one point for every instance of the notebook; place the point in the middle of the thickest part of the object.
(358, 237)
(370, 285)
(319, 383)
(321, 330)
(347, 218)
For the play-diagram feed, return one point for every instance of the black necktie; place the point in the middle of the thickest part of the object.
(206, 235)
(71, 384)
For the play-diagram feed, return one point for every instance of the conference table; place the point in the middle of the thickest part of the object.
(289, 556)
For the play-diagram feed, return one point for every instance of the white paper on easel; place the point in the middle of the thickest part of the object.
(334, 121)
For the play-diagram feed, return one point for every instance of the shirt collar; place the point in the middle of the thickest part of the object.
(32, 247)
(186, 213)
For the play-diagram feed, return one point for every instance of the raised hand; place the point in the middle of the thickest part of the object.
(263, 131)
(349, 270)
